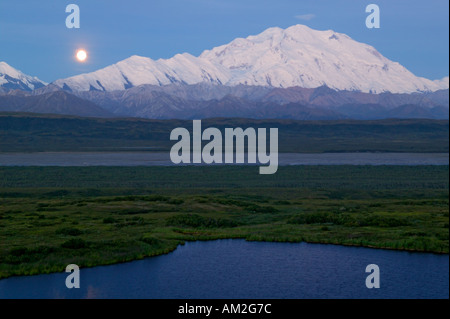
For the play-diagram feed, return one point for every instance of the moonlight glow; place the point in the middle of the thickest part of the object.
(81, 55)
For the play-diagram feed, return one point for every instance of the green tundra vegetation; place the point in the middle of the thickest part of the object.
(54, 216)
(22, 132)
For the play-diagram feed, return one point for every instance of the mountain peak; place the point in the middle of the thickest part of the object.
(136, 58)
(297, 56)
(301, 29)
(308, 58)
(13, 79)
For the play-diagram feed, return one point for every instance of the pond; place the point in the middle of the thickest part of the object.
(238, 269)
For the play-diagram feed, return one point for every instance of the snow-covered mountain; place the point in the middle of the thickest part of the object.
(136, 70)
(294, 57)
(300, 56)
(443, 83)
(12, 79)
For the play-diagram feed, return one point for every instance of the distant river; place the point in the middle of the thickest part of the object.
(240, 269)
(159, 158)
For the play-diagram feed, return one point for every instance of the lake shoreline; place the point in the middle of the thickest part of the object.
(171, 250)
(54, 216)
(307, 271)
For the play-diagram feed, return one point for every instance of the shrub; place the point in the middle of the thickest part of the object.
(109, 220)
(74, 243)
(415, 233)
(197, 221)
(18, 251)
(175, 201)
(282, 202)
(133, 211)
(22, 254)
(148, 239)
(320, 218)
(381, 221)
(253, 208)
(155, 198)
(69, 231)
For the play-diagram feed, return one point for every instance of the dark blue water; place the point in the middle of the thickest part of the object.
(163, 159)
(240, 269)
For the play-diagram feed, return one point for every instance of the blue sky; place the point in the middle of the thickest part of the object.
(35, 40)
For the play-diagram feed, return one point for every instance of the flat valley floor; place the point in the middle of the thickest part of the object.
(53, 216)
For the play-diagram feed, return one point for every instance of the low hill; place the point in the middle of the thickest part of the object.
(27, 132)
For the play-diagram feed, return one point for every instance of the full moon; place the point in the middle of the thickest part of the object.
(81, 55)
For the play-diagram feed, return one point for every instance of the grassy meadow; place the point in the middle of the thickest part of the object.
(26, 132)
(53, 216)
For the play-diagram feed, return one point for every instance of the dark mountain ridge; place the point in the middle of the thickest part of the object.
(206, 101)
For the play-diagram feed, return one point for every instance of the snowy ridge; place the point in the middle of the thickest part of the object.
(11, 79)
(442, 83)
(136, 70)
(294, 57)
